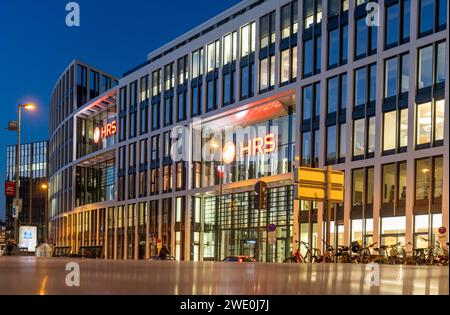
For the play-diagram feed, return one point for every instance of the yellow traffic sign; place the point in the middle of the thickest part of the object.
(312, 184)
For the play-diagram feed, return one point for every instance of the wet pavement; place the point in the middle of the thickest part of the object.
(47, 276)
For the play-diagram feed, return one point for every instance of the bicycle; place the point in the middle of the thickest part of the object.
(310, 256)
(362, 253)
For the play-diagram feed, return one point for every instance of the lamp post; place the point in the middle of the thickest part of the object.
(44, 187)
(227, 156)
(27, 106)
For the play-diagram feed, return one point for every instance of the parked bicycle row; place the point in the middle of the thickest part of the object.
(395, 254)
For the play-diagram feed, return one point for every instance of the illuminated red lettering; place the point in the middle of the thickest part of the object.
(259, 145)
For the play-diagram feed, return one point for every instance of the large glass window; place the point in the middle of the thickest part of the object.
(397, 23)
(432, 16)
(331, 143)
(429, 180)
(425, 67)
(360, 86)
(312, 12)
(395, 129)
(429, 125)
(366, 39)
(393, 230)
(423, 171)
(391, 79)
(359, 137)
(390, 123)
(337, 46)
(440, 63)
(388, 183)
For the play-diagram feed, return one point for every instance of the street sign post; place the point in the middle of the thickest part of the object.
(322, 185)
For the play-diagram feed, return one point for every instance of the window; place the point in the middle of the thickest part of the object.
(393, 230)
(336, 7)
(308, 57)
(331, 143)
(307, 102)
(267, 30)
(311, 102)
(395, 130)
(362, 188)
(438, 178)
(143, 168)
(397, 23)
(391, 77)
(94, 84)
(289, 19)
(248, 36)
(310, 148)
(431, 57)
(337, 46)
(366, 39)
(342, 142)
(425, 67)
(197, 71)
(404, 79)
(422, 231)
(229, 70)
(432, 16)
(430, 123)
(212, 92)
(144, 97)
(213, 56)
(267, 74)
(288, 69)
(229, 48)
(359, 137)
(169, 84)
(365, 86)
(440, 63)
(133, 110)
(122, 114)
(360, 87)
(156, 92)
(306, 149)
(312, 12)
(182, 92)
(333, 94)
(388, 183)
(132, 171)
(312, 56)
(429, 180)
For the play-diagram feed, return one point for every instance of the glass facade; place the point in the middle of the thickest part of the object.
(261, 99)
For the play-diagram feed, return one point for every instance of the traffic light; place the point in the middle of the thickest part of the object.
(260, 201)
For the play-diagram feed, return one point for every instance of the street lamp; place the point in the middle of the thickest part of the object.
(44, 187)
(15, 126)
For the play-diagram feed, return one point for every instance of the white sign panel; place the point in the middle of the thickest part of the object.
(28, 237)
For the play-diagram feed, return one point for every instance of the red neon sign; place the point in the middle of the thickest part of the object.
(105, 131)
(259, 145)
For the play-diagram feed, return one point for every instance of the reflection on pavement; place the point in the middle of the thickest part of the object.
(31, 275)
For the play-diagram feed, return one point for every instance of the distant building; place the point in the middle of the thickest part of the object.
(33, 188)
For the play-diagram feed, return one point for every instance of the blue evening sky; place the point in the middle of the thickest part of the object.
(115, 35)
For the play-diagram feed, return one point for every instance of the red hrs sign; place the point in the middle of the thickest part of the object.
(259, 145)
(105, 131)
